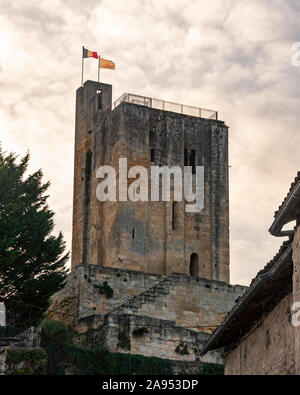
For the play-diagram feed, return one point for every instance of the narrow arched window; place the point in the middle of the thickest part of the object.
(186, 157)
(152, 155)
(174, 216)
(194, 265)
(99, 99)
(193, 161)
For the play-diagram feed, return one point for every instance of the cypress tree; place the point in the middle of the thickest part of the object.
(32, 259)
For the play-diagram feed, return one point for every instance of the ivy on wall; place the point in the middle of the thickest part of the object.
(64, 355)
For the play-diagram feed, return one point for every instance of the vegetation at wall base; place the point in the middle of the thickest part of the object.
(24, 361)
(64, 356)
(212, 369)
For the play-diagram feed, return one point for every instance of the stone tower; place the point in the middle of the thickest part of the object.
(150, 237)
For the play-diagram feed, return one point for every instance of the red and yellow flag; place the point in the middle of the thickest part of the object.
(106, 64)
(89, 54)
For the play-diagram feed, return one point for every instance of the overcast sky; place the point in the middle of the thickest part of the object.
(230, 55)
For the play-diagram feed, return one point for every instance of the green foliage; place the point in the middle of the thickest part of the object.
(81, 360)
(63, 354)
(19, 372)
(212, 369)
(58, 341)
(137, 364)
(35, 361)
(105, 289)
(124, 341)
(108, 291)
(56, 332)
(32, 261)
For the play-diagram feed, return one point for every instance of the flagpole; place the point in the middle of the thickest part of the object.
(99, 69)
(82, 65)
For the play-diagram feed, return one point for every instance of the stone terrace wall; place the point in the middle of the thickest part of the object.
(81, 296)
(149, 337)
(124, 283)
(195, 303)
(191, 302)
(269, 348)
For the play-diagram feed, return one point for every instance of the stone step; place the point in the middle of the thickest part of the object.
(165, 292)
(161, 289)
(134, 305)
(150, 299)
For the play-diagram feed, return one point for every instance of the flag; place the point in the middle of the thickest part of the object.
(106, 64)
(89, 54)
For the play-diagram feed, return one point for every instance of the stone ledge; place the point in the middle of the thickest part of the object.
(109, 270)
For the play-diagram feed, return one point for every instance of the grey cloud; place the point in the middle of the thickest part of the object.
(231, 56)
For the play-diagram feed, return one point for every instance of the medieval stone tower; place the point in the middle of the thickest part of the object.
(151, 237)
(148, 277)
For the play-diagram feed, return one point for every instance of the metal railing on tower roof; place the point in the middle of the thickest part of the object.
(166, 106)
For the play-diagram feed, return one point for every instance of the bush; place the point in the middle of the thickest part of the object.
(56, 332)
(105, 289)
(24, 361)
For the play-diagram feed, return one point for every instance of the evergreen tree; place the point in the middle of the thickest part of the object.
(32, 261)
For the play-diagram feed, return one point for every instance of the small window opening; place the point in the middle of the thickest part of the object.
(194, 265)
(152, 155)
(186, 158)
(132, 233)
(174, 216)
(193, 161)
(99, 100)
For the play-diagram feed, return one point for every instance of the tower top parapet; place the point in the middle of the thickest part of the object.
(166, 106)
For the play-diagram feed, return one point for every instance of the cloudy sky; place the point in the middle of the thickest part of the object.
(230, 55)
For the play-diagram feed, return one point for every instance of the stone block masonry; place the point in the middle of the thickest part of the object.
(151, 237)
(170, 315)
(147, 336)
(270, 344)
(147, 278)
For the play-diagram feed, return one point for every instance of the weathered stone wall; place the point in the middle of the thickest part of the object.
(156, 247)
(296, 294)
(124, 253)
(82, 296)
(140, 236)
(125, 284)
(88, 118)
(147, 336)
(176, 312)
(268, 347)
(65, 303)
(195, 303)
(190, 302)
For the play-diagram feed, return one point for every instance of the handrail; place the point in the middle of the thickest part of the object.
(166, 106)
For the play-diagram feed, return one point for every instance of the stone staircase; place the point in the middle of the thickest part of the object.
(136, 302)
